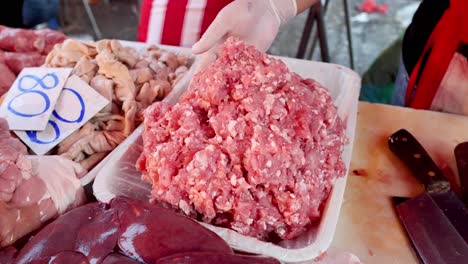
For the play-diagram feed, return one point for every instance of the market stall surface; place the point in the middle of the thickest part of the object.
(368, 225)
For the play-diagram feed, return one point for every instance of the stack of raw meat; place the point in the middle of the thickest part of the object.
(33, 189)
(250, 146)
(20, 48)
(129, 79)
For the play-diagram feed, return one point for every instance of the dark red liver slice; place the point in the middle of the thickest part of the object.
(213, 257)
(149, 232)
(8, 254)
(56, 237)
(91, 230)
(98, 237)
(68, 257)
(116, 258)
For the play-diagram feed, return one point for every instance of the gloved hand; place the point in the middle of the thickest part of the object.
(254, 21)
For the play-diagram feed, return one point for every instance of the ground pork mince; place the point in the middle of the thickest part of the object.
(250, 146)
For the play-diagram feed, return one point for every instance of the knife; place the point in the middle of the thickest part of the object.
(415, 157)
(434, 237)
(461, 156)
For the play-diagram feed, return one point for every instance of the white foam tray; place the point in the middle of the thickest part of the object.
(119, 177)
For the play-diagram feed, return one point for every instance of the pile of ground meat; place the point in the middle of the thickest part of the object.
(250, 146)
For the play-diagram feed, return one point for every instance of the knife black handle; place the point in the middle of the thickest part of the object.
(461, 156)
(412, 153)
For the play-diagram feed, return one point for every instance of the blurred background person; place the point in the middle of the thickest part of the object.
(30, 13)
(177, 22)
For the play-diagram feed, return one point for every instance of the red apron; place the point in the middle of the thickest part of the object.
(177, 22)
(440, 50)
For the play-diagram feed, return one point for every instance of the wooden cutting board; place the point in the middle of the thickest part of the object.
(368, 226)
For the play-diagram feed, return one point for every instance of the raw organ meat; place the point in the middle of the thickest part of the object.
(116, 258)
(7, 255)
(57, 237)
(143, 231)
(24, 40)
(51, 37)
(99, 236)
(68, 257)
(210, 257)
(250, 146)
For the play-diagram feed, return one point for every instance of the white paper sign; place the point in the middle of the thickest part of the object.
(32, 97)
(77, 103)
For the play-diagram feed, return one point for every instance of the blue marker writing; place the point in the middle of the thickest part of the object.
(39, 81)
(29, 90)
(32, 135)
(42, 94)
(82, 110)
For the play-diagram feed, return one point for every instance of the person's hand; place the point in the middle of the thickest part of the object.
(254, 21)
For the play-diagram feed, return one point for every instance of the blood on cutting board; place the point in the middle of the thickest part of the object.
(360, 172)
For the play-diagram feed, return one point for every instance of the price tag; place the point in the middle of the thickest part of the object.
(77, 103)
(32, 97)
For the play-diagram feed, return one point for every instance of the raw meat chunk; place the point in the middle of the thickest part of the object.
(116, 258)
(51, 37)
(210, 257)
(7, 255)
(68, 257)
(143, 231)
(56, 237)
(33, 189)
(98, 237)
(6, 79)
(16, 61)
(21, 40)
(149, 232)
(250, 146)
(130, 79)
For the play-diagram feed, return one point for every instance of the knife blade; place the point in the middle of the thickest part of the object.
(461, 157)
(433, 236)
(415, 157)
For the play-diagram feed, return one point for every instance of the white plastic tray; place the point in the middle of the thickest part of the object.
(119, 177)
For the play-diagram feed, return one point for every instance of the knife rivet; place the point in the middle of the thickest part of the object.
(417, 156)
(404, 139)
(431, 173)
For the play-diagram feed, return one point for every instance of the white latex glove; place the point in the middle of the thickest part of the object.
(254, 21)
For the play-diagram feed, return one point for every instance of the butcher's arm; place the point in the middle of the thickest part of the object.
(302, 5)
